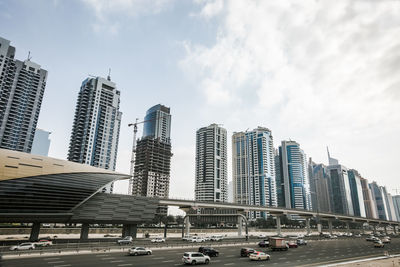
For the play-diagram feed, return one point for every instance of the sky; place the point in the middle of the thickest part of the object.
(322, 73)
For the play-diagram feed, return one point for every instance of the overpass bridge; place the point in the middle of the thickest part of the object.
(36, 189)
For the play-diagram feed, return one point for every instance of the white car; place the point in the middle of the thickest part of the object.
(43, 243)
(187, 238)
(216, 238)
(158, 240)
(262, 236)
(259, 256)
(135, 251)
(194, 258)
(197, 239)
(23, 246)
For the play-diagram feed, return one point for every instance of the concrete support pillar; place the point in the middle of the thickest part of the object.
(362, 228)
(85, 231)
(240, 225)
(129, 230)
(385, 228)
(35, 231)
(330, 227)
(374, 228)
(348, 227)
(187, 226)
(319, 227)
(308, 226)
(278, 225)
(394, 229)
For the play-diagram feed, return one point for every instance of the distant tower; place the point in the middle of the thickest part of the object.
(95, 131)
(41, 143)
(211, 164)
(22, 85)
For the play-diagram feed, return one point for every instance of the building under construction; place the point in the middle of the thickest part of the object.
(152, 168)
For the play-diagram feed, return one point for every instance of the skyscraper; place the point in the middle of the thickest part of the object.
(369, 201)
(41, 143)
(377, 196)
(153, 155)
(253, 169)
(22, 85)
(211, 164)
(396, 204)
(294, 180)
(357, 197)
(320, 187)
(340, 187)
(158, 123)
(95, 131)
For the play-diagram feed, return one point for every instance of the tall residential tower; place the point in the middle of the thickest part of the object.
(22, 85)
(211, 164)
(95, 131)
(253, 169)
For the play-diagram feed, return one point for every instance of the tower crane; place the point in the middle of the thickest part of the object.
(133, 155)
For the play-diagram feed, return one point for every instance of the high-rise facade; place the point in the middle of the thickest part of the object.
(41, 143)
(379, 199)
(22, 85)
(253, 169)
(153, 155)
(339, 183)
(320, 188)
(393, 215)
(294, 180)
(158, 123)
(357, 197)
(95, 131)
(396, 204)
(369, 202)
(211, 164)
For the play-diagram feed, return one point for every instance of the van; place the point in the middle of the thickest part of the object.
(216, 238)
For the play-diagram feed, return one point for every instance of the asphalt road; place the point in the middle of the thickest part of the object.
(315, 253)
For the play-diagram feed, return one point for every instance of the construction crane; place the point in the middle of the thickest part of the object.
(133, 155)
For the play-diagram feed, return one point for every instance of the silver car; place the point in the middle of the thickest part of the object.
(135, 251)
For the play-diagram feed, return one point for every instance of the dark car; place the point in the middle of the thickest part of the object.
(264, 243)
(245, 252)
(209, 251)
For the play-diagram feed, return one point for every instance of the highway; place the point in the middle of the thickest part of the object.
(315, 253)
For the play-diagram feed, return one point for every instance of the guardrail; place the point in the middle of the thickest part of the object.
(97, 247)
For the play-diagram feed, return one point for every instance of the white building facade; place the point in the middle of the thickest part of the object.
(211, 164)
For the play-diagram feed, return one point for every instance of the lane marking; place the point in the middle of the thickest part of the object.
(53, 262)
(126, 264)
(230, 256)
(49, 259)
(229, 263)
(65, 265)
(159, 258)
(116, 261)
(168, 261)
(109, 258)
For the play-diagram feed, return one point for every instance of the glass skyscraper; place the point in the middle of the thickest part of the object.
(356, 193)
(158, 123)
(293, 181)
(253, 169)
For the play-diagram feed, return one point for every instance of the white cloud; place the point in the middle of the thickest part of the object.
(109, 13)
(321, 72)
(210, 8)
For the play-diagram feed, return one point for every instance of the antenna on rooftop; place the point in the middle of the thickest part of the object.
(109, 74)
(29, 56)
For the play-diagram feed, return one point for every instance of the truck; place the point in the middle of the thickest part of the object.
(277, 243)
